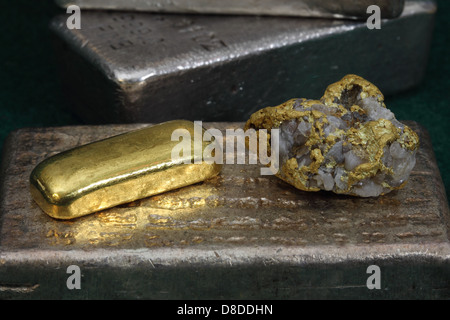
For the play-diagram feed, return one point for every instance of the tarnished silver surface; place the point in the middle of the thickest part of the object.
(143, 67)
(240, 235)
(305, 8)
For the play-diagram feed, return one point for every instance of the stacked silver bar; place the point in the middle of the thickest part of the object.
(125, 66)
(305, 8)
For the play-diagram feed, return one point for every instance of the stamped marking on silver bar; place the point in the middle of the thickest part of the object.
(129, 30)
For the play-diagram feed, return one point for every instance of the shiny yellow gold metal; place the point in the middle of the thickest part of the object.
(118, 170)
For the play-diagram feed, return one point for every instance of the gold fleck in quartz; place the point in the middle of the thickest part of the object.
(359, 105)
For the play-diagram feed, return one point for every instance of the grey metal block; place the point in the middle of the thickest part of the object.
(238, 236)
(307, 8)
(142, 67)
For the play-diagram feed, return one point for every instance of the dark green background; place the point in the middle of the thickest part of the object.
(30, 93)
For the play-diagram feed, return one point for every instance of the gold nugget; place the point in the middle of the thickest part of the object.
(347, 142)
(118, 170)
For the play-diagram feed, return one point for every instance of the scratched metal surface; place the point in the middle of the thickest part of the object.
(306, 8)
(128, 67)
(240, 235)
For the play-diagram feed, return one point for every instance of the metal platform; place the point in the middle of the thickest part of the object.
(237, 236)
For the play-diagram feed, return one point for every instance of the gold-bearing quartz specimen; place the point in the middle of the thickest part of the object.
(117, 170)
(347, 142)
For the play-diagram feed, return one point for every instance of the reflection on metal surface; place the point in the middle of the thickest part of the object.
(305, 8)
(142, 67)
(118, 170)
(119, 225)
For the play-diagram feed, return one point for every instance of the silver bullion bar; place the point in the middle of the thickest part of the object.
(306, 8)
(239, 235)
(124, 67)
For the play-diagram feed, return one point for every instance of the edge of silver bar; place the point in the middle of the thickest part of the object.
(347, 9)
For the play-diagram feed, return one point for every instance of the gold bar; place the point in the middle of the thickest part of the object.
(118, 170)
